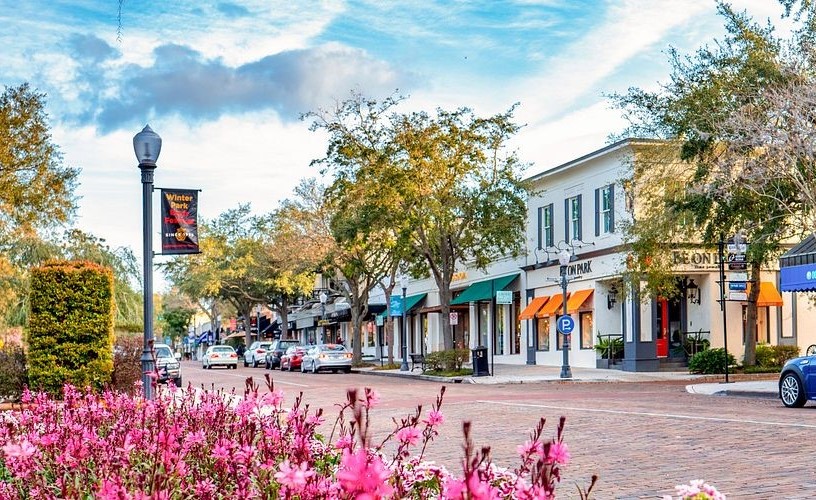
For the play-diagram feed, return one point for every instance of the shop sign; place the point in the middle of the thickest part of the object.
(459, 276)
(504, 297)
(396, 305)
(454, 319)
(737, 266)
(741, 296)
(695, 259)
(579, 269)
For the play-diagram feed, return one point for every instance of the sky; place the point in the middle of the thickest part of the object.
(224, 83)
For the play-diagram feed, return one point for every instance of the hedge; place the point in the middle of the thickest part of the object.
(70, 326)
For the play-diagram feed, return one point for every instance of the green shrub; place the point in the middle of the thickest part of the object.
(13, 374)
(772, 356)
(710, 361)
(605, 344)
(447, 361)
(70, 326)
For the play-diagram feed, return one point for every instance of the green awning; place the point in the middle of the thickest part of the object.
(483, 290)
(411, 302)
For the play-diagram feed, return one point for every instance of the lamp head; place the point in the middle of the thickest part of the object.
(323, 297)
(564, 257)
(611, 297)
(404, 281)
(147, 146)
(693, 292)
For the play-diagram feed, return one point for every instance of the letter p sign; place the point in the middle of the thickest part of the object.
(565, 324)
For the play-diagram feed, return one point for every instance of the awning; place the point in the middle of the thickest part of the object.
(438, 309)
(768, 295)
(411, 302)
(553, 306)
(484, 290)
(577, 299)
(533, 307)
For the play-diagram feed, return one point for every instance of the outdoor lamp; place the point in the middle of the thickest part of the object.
(147, 146)
(564, 257)
(404, 336)
(693, 292)
(611, 297)
(323, 298)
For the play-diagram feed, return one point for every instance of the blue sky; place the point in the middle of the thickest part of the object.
(224, 83)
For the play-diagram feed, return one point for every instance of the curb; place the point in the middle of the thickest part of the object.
(747, 394)
(427, 378)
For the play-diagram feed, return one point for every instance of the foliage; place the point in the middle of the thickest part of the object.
(13, 373)
(70, 333)
(775, 356)
(177, 319)
(697, 490)
(606, 345)
(33, 180)
(127, 364)
(710, 361)
(113, 446)
(448, 360)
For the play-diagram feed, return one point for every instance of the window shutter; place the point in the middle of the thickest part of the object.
(540, 223)
(611, 208)
(580, 220)
(550, 238)
(566, 220)
(598, 212)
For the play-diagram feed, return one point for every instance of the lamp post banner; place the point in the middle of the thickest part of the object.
(179, 219)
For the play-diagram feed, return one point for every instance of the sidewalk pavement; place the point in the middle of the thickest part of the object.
(521, 374)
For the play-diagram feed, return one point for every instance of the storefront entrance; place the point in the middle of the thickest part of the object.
(668, 324)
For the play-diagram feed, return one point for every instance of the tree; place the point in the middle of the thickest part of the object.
(33, 180)
(693, 112)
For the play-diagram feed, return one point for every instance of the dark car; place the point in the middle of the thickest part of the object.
(797, 382)
(274, 353)
(293, 357)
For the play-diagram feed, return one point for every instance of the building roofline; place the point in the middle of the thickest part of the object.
(628, 142)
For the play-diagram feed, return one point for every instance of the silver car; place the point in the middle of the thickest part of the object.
(256, 353)
(334, 357)
(167, 364)
(220, 355)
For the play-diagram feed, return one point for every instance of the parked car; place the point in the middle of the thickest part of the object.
(797, 381)
(256, 353)
(274, 353)
(293, 357)
(334, 357)
(168, 364)
(220, 355)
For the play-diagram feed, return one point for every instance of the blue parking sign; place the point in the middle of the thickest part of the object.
(565, 324)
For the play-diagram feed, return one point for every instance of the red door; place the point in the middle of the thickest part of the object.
(662, 341)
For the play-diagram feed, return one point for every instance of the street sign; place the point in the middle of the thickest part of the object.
(565, 324)
(737, 266)
(396, 305)
(454, 318)
(379, 320)
(739, 276)
(736, 257)
(741, 296)
(738, 285)
(504, 297)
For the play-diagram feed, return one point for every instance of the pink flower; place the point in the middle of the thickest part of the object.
(454, 488)
(408, 435)
(274, 398)
(363, 477)
(22, 451)
(529, 448)
(435, 418)
(343, 443)
(294, 477)
(559, 453)
(372, 398)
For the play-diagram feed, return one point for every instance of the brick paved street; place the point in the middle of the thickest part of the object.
(640, 438)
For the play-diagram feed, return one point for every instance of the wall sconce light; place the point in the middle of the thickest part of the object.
(611, 297)
(693, 292)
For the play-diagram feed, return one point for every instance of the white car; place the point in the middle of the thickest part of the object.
(256, 354)
(167, 364)
(334, 357)
(220, 355)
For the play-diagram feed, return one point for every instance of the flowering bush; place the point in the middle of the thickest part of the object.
(215, 445)
(696, 490)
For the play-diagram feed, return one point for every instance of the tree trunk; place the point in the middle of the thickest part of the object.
(751, 317)
(356, 335)
(389, 325)
(447, 330)
(284, 315)
(248, 330)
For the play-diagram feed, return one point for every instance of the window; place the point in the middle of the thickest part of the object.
(545, 234)
(605, 210)
(586, 330)
(572, 215)
(543, 332)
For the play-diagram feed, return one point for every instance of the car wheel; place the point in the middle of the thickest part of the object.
(347, 370)
(267, 365)
(177, 381)
(303, 368)
(245, 363)
(289, 366)
(791, 391)
(254, 363)
(314, 367)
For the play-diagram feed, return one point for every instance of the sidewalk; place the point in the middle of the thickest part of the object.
(521, 374)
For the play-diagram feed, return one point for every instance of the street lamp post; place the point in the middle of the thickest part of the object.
(323, 299)
(563, 259)
(147, 146)
(404, 336)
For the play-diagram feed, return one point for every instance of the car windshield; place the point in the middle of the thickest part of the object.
(264, 346)
(163, 352)
(223, 348)
(332, 347)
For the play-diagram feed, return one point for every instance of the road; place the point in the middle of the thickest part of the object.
(641, 439)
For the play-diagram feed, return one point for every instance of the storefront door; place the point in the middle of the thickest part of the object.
(662, 328)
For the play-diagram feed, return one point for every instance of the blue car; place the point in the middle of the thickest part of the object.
(797, 382)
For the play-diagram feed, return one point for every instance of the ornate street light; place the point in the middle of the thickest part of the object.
(564, 259)
(323, 299)
(404, 336)
(147, 146)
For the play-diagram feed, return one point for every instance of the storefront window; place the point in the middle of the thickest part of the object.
(498, 341)
(484, 324)
(586, 330)
(543, 332)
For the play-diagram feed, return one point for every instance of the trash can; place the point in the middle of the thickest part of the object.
(480, 362)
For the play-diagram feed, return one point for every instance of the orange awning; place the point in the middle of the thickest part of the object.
(533, 307)
(768, 295)
(551, 307)
(577, 300)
